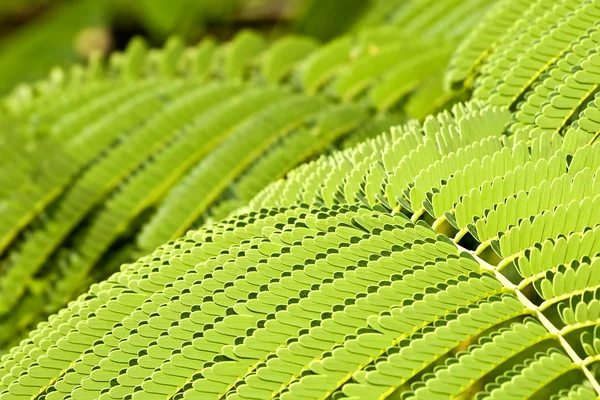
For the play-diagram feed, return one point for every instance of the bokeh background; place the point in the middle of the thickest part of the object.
(37, 35)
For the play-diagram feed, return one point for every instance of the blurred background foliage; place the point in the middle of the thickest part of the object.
(37, 35)
(97, 154)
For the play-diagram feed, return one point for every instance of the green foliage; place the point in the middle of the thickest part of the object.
(163, 18)
(62, 32)
(539, 58)
(348, 297)
(454, 256)
(326, 19)
(47, 43)
(106, 157)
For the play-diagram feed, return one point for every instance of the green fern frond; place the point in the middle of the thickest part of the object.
(354, 300)
(456, 256)
(128, 141)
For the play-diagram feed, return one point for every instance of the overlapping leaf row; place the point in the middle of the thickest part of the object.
(537, 212)
(103, 152)
(496, 296)
(505, 15)
(541, 59)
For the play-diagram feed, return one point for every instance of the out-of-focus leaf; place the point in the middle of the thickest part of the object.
(33, 50)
